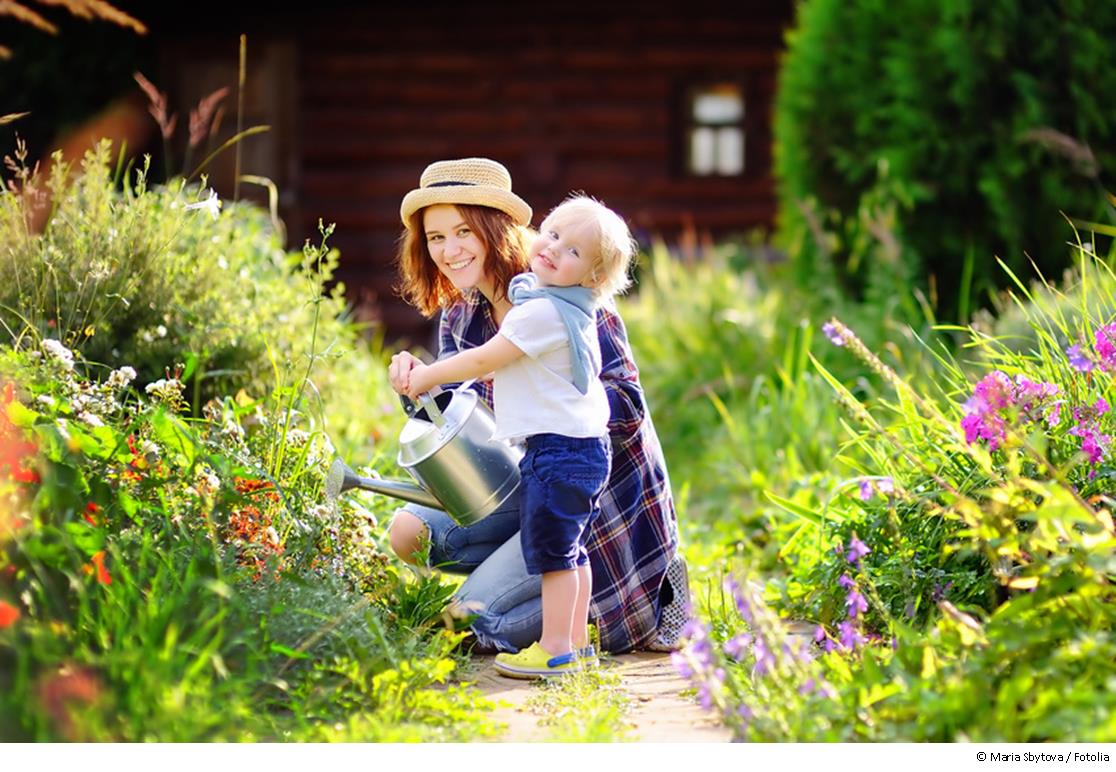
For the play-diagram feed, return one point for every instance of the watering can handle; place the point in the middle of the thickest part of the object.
(410, 408)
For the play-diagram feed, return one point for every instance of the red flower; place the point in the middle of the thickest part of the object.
(9, 614)
(91, 510)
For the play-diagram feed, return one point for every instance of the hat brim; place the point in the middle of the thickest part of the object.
(475, 195)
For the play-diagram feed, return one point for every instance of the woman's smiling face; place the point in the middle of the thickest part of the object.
(454, 246)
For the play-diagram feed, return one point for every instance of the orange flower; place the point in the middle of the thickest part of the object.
(16, 453)
(98, 565)
(9, 614)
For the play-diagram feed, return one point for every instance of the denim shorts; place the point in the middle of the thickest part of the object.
(561, 481)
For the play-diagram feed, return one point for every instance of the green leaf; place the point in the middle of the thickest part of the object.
(815, 517)
(21, 415)
(173, 435)
(287, 651)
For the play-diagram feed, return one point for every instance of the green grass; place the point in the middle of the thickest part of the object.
(586, 707)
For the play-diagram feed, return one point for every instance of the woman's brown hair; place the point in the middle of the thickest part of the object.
(427, 289)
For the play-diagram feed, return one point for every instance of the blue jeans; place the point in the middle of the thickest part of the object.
(506, 599)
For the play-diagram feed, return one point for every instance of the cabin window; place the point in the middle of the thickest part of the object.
(715, 140)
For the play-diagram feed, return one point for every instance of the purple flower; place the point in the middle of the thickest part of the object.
(819, 634)
(740, 596)
(1079, 361)
(856, 604)
(939, 592)
(737, 646)
(694, 630)
(765, 658)
(997, 398)
(702, 652)
(885, 485)
(678, 659)
(850, 636)
(831, 332)
(1104, 341)
(846, 582)
(705, 697)
(1093, 444)
(857, 550)
(866, 491)
(1033, 398)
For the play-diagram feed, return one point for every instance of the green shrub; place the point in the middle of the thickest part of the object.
(940, 120)
(135, 277)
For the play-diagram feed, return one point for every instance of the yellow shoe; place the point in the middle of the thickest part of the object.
(534, 662)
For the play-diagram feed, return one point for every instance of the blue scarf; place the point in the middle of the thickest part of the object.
(576, 307)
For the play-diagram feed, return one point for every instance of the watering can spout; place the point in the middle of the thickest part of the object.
(341, 478)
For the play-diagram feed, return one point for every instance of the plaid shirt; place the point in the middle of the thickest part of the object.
(636, 533)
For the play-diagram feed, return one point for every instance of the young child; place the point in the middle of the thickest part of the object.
(547, 393)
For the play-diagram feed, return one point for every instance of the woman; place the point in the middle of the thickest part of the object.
(464, 240)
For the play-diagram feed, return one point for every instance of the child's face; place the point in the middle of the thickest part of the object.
(563, 253)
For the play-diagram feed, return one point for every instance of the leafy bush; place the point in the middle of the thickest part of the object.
(151, 277)
(965, 128)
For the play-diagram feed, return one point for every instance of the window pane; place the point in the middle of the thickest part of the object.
(703, 149)
(718, 105)
(730, 150)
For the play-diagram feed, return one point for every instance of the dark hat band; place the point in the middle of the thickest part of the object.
(448, 184)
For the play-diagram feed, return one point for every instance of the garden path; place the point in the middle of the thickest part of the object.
(658, 712)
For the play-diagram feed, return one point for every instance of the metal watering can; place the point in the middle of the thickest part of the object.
(447, 447)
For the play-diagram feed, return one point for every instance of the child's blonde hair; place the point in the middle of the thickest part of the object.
(616, 248)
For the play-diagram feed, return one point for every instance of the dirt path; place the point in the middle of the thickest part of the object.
(658, 712)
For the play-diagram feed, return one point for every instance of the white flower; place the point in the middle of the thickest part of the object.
(320, 512)
(120, 378)
(297, 437)
(90, 418)
(64, 356)
(161, 331)
(211, 204)
(45, 399)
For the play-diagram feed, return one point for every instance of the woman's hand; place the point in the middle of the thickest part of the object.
(399, 372)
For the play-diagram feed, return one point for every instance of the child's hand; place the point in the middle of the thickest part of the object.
(420, 381)
(399, 373)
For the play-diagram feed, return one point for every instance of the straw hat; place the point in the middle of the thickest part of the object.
(477, 181)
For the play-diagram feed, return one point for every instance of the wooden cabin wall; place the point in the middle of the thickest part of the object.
(569, 96)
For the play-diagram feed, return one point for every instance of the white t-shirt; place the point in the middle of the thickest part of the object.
(535, 393)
